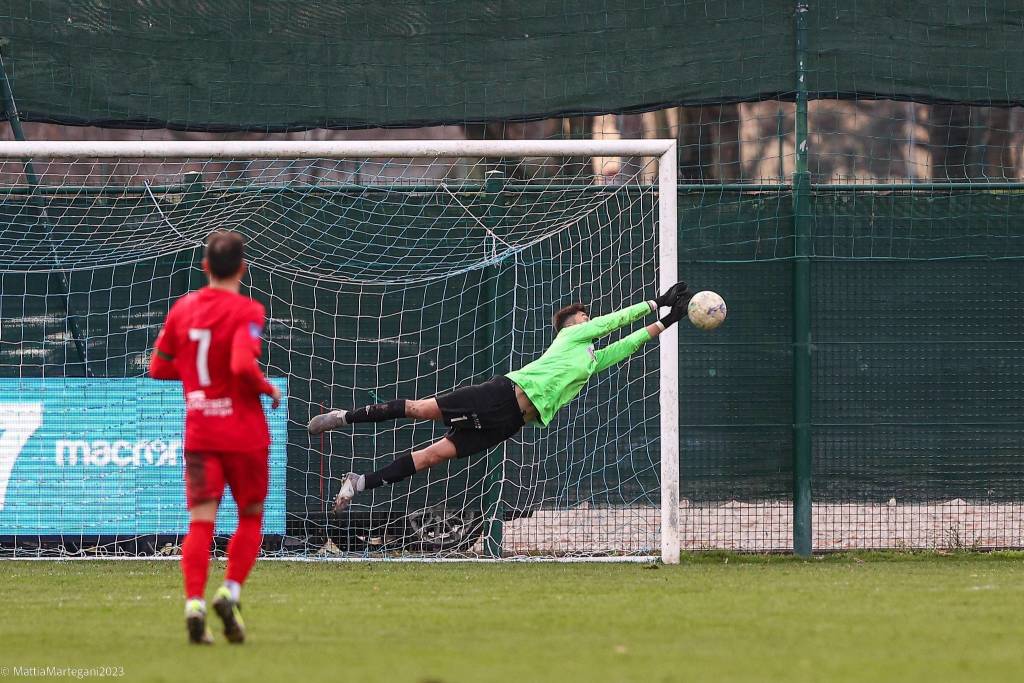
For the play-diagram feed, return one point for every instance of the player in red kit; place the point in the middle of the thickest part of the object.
(210, 342)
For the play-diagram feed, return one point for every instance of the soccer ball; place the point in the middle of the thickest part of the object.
(706, 310)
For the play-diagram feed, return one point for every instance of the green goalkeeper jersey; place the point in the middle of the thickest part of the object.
(557, 377)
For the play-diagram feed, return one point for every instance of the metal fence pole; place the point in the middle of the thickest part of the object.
(801, 304)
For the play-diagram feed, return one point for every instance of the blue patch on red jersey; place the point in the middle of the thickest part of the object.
(255, 331)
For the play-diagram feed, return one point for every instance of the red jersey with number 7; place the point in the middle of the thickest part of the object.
(210, 341)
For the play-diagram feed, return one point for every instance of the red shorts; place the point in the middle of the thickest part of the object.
(246, 473)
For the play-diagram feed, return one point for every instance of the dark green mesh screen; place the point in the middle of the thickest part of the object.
(917, 397)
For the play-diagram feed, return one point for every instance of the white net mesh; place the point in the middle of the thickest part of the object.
(381, 280)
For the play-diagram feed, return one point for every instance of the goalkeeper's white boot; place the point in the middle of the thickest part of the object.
(349, 489)
(327, 421)
(195, 622)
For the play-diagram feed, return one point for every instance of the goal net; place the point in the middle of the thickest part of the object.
(388, 270)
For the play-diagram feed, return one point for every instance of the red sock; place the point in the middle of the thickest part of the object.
(195, 557)
(244, 547)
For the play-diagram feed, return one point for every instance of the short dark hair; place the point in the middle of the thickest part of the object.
(564, 313)
(225, 250)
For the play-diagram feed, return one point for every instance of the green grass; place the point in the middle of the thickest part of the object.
(876, 617)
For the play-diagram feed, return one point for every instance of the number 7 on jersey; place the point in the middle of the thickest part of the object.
(202, 354)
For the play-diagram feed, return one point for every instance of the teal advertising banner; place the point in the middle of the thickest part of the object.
(104, 456)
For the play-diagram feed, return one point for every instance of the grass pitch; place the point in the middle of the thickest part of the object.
(874, 617)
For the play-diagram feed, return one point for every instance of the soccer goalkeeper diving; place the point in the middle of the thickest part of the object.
(481, 416)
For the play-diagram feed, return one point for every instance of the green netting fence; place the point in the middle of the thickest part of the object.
(852, 184)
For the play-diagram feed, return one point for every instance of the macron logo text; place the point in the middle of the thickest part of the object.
(100, 453)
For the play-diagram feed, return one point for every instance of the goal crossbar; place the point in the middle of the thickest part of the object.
(336, 149)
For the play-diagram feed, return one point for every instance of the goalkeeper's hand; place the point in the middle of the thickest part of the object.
(679, 290)
(676, 313)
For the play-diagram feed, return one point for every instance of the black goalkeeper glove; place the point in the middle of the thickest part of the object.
(676, 313)
(679, 290)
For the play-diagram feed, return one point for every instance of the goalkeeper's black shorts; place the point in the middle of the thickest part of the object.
(481, 416)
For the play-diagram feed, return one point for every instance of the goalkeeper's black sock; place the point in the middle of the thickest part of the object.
(400, 469)
(378, 412)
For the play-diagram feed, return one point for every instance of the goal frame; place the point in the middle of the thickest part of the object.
(664, 150)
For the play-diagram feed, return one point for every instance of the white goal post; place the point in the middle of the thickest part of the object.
(664, 151)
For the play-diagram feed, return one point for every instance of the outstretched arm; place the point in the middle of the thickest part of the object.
(627, 346)
(605, 324)
(602, 325)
